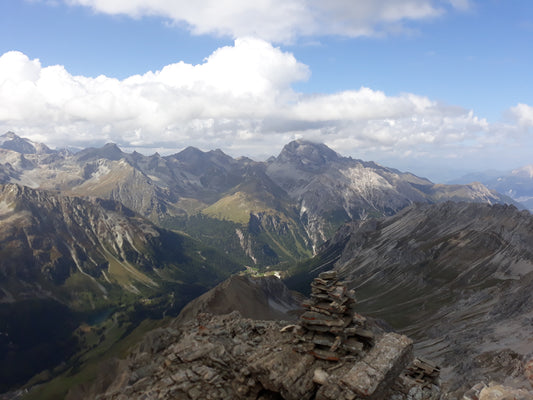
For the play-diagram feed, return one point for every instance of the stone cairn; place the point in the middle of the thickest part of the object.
(329, 328)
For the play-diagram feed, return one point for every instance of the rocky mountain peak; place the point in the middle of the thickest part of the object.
(196, 157)
(11, 141)
(190, 153)
(307, 153)
(228, 356)
(109, 151)
(9, 135)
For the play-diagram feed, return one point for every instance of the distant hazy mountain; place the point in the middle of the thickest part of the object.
(456, 277)
(10, 141)
(517, 184)
(262, 213)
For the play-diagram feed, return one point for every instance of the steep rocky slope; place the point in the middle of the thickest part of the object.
(265, 298)
(67, 247)
(456, 277)
(265, 212)
(330, 189)
(65, 261)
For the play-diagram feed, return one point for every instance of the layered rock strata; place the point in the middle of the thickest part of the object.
(231, 357)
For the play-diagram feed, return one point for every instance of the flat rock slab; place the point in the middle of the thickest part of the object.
(380, 366)
(499, 392)
(328, 275)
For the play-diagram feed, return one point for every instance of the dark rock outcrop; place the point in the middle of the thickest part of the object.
(264, 298)
(231, 357)
(227, 356)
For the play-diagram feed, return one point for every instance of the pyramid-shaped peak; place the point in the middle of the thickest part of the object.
(191, 155)
(10, 135)
(307, 152)
(13, 142)
(109, 151)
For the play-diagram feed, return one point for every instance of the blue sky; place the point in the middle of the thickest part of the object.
(421, 85)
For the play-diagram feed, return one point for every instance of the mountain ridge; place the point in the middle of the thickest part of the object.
(516, 183)
(456, 277)
(49, 234)
(308, 185)
(65, 261)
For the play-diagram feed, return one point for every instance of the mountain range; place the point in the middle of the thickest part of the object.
(262, 213)
(96, 242)
(89, 247)
(517, 184)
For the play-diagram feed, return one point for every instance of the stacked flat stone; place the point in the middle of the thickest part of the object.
(423, 372)
(331, 329)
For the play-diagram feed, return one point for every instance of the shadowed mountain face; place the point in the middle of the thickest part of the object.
(265, 298)
(265, 212)
(62, 247)
(456, 277)
(65, 260)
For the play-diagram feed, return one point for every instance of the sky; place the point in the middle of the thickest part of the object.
(435, 87)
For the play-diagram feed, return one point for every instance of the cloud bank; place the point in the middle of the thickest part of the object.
(523, 114)
(281, 20)
(239, 99)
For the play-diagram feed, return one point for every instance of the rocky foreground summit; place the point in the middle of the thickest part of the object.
(231, 357)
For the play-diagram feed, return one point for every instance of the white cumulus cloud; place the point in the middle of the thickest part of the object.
(281, 20)
(239, 99)
(523, 113)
